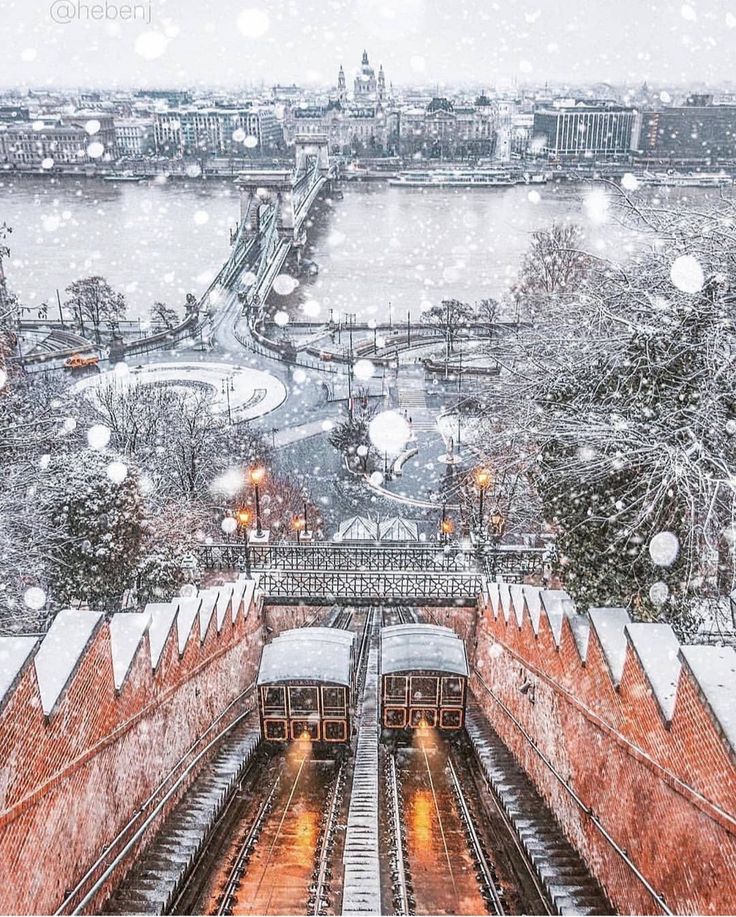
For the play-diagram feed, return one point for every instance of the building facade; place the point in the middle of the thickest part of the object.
(62, 141)
(445, 130)
(134, 137)
(698, 133)
(216, 131)
(582, 131)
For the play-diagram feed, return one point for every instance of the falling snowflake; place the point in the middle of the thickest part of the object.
(687, 274)
(664, 548)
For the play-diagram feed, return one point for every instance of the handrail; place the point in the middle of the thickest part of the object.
(144, 805)
(586, 809)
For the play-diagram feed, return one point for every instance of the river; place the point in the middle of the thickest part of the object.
(380, 249)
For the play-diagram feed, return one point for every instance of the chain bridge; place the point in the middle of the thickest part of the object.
(274, 205)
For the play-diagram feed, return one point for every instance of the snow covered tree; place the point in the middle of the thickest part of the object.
(164, 315)
(452, 315)
(94, 301)
(554, 263)
(97, 528)
(628, 395)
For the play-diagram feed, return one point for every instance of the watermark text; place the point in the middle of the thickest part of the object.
(66, 11)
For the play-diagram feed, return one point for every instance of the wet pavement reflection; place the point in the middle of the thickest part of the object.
(441, 866)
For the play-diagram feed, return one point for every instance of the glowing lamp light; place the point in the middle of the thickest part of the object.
(257, 474)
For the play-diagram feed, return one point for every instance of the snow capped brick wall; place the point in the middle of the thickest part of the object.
(642, 730)
(93, 717)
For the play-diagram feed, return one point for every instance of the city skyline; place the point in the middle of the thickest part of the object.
(421, 44)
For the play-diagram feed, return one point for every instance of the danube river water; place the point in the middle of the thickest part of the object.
(380, 249)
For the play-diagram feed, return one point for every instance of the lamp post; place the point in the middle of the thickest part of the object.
(446, 526)
(243, 518)
(497, 526)
(306, 529)
(227, 387)
(483, 479)
(298, 526)
(256, 477)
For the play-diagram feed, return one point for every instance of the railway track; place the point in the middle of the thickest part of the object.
(491, 891)
(246, 848)
(400, 880)
(425, 837)
(320, 891)
(260, 869)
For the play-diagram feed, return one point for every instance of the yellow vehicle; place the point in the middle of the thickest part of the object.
(81, 361)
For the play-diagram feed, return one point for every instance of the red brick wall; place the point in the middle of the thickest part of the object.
(71, 781)
(666, 793)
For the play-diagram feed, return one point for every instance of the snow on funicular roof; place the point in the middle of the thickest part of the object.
(357, 528)
(333, 634)
(422, 647)
(398, 529)
(318, 659)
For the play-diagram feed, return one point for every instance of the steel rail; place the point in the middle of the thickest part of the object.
(475, 841)
(246, 848)
(401, 884)
(325, 847)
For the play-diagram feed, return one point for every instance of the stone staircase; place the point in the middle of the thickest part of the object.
(563, 874)
(156, 878)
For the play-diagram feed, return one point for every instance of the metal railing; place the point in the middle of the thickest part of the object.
(412, 557)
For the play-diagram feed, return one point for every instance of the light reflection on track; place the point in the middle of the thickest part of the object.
(279, 871)
(441, 866)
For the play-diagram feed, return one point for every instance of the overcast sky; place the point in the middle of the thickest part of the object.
(422, 42)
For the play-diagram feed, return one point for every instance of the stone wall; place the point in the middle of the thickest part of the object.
(95, 717)
(628, 736)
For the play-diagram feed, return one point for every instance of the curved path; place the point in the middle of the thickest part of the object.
(243, 392)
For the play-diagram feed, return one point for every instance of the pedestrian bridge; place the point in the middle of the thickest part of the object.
(368, 574)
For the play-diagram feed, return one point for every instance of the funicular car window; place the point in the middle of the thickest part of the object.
(333, 700)
(394, 717)
(422, 718)
(301, 729)
(302, 699)
(395, 689)
(273, 698)
(451, 719)
(335, 730)
(275, 729)
(452, 691)
(424, 689)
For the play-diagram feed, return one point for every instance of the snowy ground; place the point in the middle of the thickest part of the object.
(249, 392)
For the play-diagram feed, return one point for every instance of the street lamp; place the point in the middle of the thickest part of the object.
(447, 526)
(298, 526)
(483, 478)
(243, 518)
(497, 523)
(227, 387)
(257, 475)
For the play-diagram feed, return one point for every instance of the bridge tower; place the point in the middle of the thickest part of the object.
(312, 149)
(260, 190)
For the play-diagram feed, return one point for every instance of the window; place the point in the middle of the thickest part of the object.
(335, 730)
(395, 689)
(453, 691)
(273, 699)
(424, 689)
(451, 719)
(275, 730)
(303, 700)
(333, 701)
(394, 717)
(422, 718)
(301, 729)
